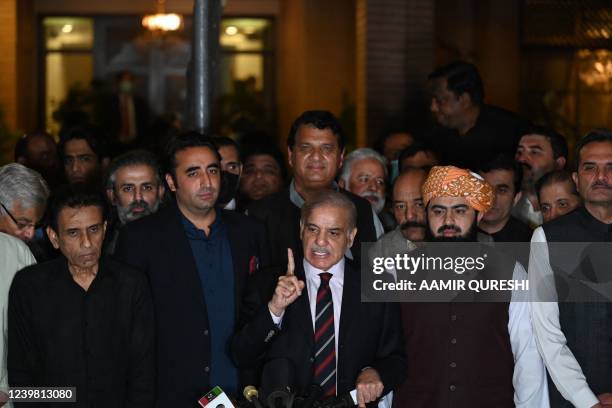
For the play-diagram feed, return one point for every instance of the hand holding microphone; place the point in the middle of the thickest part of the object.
(288, 288)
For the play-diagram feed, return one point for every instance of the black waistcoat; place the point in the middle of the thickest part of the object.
(587, 326)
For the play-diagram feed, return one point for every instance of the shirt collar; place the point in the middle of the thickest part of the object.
(297, 199)
(231, 205)
(194, 232)
(337, 271)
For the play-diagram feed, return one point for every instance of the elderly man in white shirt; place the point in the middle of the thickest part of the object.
(15, 256)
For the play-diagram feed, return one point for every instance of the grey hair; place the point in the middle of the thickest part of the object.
(132, 158)
(357, 155)
(330, 198)
(19, 184)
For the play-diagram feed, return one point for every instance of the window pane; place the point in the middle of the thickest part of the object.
(63, 73)
(243, 68)
(65, 33)
(245, 34)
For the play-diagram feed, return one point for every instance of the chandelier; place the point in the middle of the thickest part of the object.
(596, 67)
(162, 21)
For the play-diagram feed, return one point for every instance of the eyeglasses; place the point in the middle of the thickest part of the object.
(20, 224)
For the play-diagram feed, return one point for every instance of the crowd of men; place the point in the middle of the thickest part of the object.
(145, 281)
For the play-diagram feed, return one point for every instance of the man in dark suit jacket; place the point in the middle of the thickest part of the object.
(328, 336)
(198, 260)
(316, 150)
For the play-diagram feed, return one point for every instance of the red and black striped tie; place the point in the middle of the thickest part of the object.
(325, 343)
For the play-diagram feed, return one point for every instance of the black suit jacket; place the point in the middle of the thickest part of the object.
(370, 335)
(157, 244)
(282, 220)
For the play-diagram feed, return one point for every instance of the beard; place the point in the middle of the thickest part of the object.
(127, 214)
(469, 236)
(380, 201)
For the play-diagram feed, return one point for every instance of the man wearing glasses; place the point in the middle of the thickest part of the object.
(23, 200)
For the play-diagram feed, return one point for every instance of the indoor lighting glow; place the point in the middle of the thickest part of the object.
(231, 30)
(250, 30)
(596, 68)
(67, 28)
(162, 22)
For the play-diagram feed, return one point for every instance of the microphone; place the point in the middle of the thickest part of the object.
(312, 396)
(340, 401)
(280, 399)
(216, 398)
(277, 374)
(252, 395)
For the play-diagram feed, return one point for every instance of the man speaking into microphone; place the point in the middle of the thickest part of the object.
(327, 334)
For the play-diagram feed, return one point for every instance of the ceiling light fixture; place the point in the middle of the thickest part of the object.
(162, 21)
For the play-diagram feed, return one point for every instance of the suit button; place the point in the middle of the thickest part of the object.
(453, 365)
(453, 341)
(312, 359)
(206, 332)
(452, 388)
(207, 368)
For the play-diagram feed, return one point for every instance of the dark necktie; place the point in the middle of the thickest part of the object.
(325, 343)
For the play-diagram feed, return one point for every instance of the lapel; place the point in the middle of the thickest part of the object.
(238, 243)
(184, 267)
(302, 313)
(350, 299)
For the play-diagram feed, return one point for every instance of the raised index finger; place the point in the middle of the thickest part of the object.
(290, 262)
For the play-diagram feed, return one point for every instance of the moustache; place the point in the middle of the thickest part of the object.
(316, 248)
(372, 194)
(138, 203)
(449, 227)
(601, 184)
(205, 190)
(412, 224)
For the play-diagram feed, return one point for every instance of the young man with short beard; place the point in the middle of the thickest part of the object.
(468, 354)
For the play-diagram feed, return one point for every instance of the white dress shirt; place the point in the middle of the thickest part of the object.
(14, 255)
(561, 363)
(336, 284)
(529, 377)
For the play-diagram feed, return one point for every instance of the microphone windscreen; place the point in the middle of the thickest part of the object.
(277, 374)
